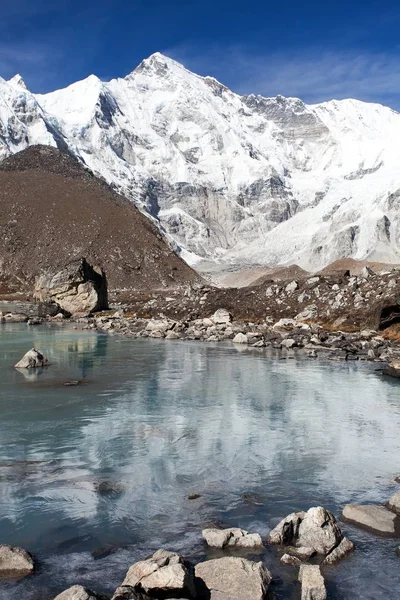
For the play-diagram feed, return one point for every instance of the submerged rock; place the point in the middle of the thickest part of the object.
(163, 572)
(15, 562)
(239, 538)
(373, 517)
(14, 318)
(78, 592)
(392, 369)
(312, 583)
(32, 359)
(233, 578)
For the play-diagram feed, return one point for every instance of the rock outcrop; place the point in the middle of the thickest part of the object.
(33, 359)
(15, 562)
(233, 578)
(78, 289)
(374, 518)
(233, 537)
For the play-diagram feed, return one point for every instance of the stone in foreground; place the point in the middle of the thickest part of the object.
(373, 517)
(312, 583)
(239, 538)
(317, 529)
(33, 359)
(240, 338)
(78, 592)
(392, 369)
(394, 503)
(233, 578)
(15, 562)
(344, 548)
(163, 572)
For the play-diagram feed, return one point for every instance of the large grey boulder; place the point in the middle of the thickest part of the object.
(221, 317)
(317, 529)
(78, 288)
(312, 583)
(33, 359)
(163, 572)
(394, 503)
(15, 562)
(233, 578)
(239, 538)
(373, 517)
(78, 592)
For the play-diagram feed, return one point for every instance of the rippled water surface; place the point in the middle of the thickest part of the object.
(95, 476)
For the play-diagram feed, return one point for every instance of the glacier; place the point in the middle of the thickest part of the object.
(232, 180)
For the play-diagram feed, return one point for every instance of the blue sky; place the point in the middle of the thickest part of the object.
(314, 50)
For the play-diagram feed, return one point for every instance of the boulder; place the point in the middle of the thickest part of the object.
(220, 538)
(33, 359)
(221, 317)
(372, 517)
(78, 592)
(344, 548)
(312, 583)
(302, 553)
(163, 572)
(317, 529)
(78, 288)
(394, 503)
(287, 530)
(15, 562)
(159, 325)
(240, 338)
(234, 578)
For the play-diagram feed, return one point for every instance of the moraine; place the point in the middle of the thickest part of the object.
(97, 475)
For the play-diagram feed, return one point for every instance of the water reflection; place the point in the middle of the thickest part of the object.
(111, 463)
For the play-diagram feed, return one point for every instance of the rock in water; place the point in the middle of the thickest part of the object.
(31, 360)
(394, 503)
(78, 289)
(78, 592)
(233, 578)
(344, 548)
(220, 538)
(163, 572)
(312, 583)
(315, 529)
(374, 518)
(15, 562)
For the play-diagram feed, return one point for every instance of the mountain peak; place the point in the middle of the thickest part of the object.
(157, 62)
(18, 81)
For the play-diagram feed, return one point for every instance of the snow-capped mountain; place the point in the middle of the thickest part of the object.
(241, 179)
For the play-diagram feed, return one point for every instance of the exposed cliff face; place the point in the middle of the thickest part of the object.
(242, 179)
(53, 210)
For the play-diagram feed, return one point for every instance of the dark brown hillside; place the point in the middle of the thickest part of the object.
(53, 210)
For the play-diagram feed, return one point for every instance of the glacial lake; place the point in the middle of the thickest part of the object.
(97, 476)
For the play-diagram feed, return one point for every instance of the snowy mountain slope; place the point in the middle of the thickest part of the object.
(240, 179)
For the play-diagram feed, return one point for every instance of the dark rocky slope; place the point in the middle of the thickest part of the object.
(53, 210)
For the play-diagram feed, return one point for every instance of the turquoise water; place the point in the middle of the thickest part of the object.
(95, 476)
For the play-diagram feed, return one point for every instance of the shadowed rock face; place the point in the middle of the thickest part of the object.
(55, 211)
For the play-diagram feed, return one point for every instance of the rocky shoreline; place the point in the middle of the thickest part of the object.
(308, 541)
